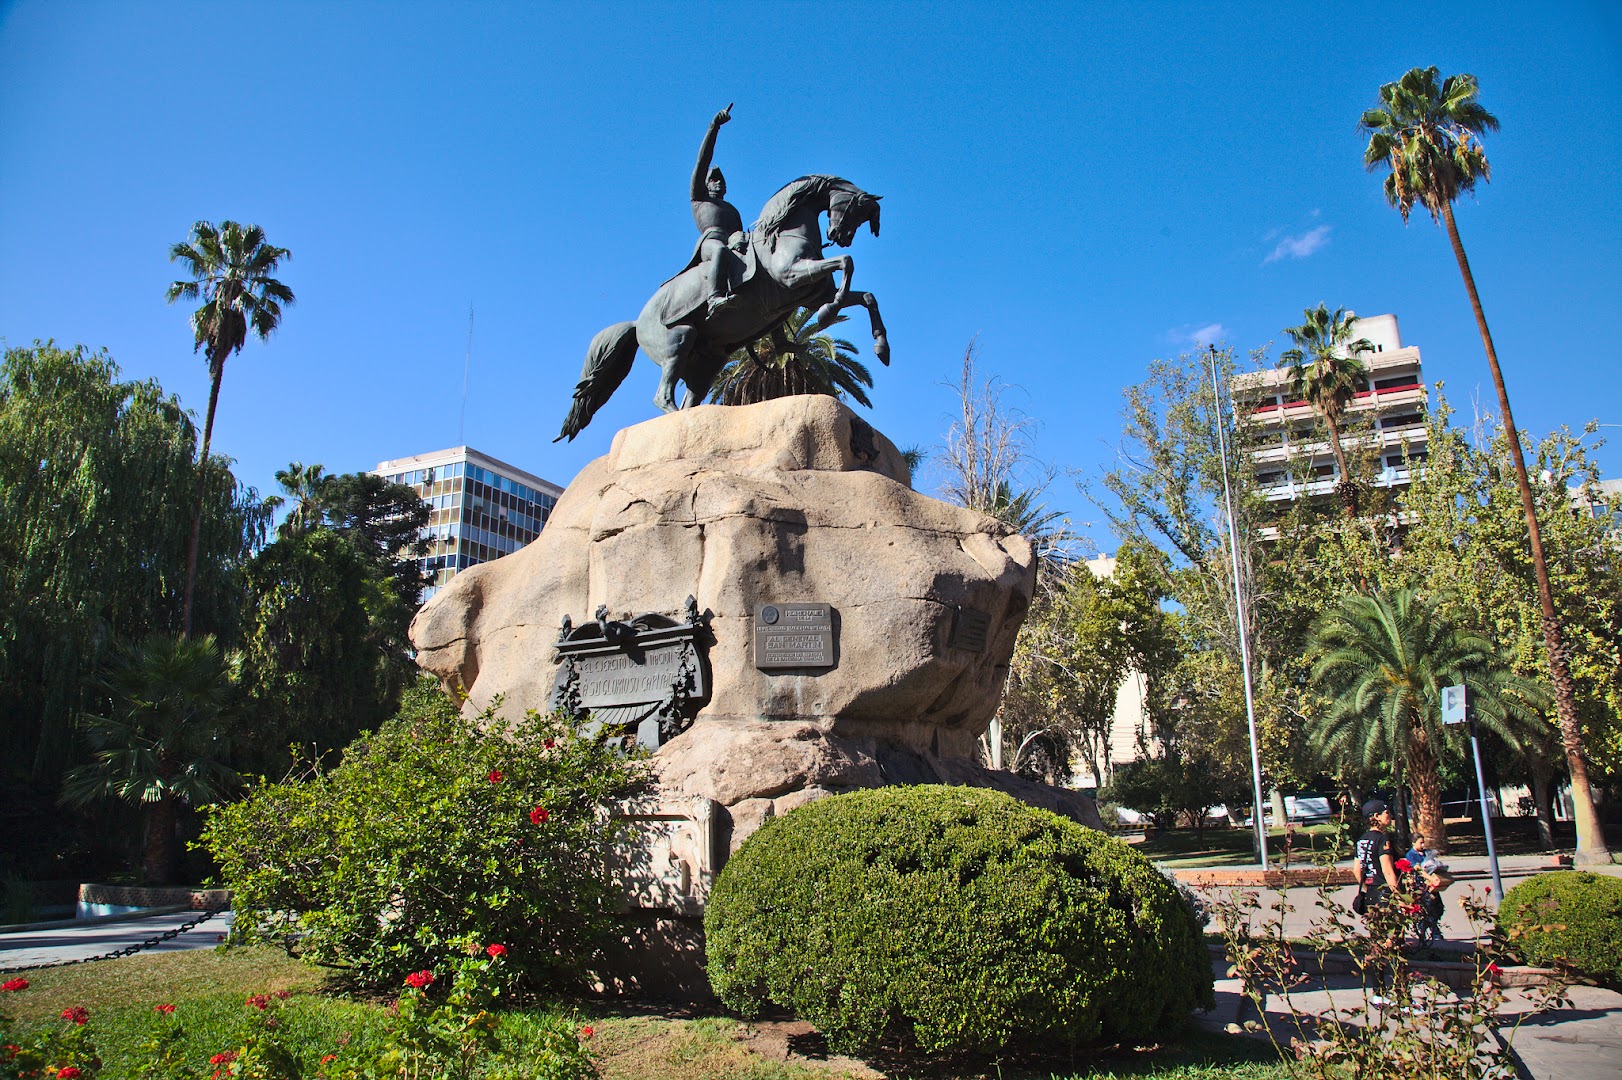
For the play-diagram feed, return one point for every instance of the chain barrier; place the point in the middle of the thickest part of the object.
(128, 950)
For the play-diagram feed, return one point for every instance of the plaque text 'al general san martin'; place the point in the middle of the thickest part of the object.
(794, 636)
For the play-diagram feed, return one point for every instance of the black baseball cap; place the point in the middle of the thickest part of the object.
(1374, 806)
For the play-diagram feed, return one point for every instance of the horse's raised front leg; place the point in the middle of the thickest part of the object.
(881, 342)
(828, 312)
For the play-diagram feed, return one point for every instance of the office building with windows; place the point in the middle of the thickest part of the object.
(480, 508)
(1295, 459)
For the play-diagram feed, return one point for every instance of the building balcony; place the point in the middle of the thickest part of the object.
(1404, 394)
(1388, 477)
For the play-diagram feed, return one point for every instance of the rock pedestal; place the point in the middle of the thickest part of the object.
(792, 501)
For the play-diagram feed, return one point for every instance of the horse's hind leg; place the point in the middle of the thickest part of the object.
(703, 365)
(667, 351)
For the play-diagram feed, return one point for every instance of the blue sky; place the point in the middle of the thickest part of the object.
(1083, 186)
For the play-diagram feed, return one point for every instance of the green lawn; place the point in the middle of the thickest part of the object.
(1183, 848)
(629, 1042)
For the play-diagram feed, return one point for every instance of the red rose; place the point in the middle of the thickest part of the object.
(419, 979)
(1494, 969)
(258, 1001)
(587, 1032)
(78, 1014)
(1413, 909)
(167, 1010)
(225, 1057)
(548, 744)
(495, 776)
(539, 815)
(15, 984)
(1404, 866)
(496, 950)
(69, 1072)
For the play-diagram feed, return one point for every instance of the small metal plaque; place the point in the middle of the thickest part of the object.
(794, 636)
(970, 628)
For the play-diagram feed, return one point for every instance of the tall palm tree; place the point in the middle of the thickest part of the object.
(306, 487)
(1324, 369)
(793, 361)
(1382, 660)
(1427, 132)
(166, 741)
(230, 267)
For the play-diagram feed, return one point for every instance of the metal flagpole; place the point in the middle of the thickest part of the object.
(1239, 606)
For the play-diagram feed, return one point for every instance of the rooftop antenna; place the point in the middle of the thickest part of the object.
(467, 362)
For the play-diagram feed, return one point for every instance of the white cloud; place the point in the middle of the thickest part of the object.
(1209, 334)
(1300, 246)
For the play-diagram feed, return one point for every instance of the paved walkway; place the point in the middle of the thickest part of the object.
(1472, 873)
(78, 942)
(1583, 1042)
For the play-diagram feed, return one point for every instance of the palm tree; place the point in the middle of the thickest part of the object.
(306, 488)
(1382, 660)
(1428, 134)
(1325, 369)
(793, 361)
(231, 268)
(165, 742)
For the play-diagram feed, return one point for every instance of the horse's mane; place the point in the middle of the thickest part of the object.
(792, 196)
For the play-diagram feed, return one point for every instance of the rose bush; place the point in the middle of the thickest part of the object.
(433, 830)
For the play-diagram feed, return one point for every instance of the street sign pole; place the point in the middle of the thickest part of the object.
(1456, 709)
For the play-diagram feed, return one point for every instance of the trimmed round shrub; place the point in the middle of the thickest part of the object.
(1570, 919)
(956, 917)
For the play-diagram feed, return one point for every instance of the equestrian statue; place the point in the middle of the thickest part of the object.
(737, 287)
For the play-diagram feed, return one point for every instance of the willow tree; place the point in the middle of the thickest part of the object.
(1427, 132)
(97, 479)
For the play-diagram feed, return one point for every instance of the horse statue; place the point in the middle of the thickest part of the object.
(782, 270)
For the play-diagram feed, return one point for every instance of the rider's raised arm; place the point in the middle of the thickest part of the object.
(706, 150)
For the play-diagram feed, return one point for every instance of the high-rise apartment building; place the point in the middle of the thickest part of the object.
(479, 508)
(1296, 460)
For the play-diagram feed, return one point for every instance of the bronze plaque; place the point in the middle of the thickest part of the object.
(628, 678)
(794, 636)
(970, 627)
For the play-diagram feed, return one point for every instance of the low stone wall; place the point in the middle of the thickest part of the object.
(1306, 878)
(145, 896)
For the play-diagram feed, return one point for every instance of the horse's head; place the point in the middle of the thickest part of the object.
(848, 209)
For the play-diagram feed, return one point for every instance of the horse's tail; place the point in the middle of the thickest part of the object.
(608, 361)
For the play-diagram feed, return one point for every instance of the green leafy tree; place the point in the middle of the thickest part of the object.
(1166, 492)
(166, 742)
(1325, 370)
(230, 267)
(1427, 132)
(1382, 660)
(793, 360)
(1080, 643)
(317, 670)
(98, 481)
(1463, 540)
(384, 520)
